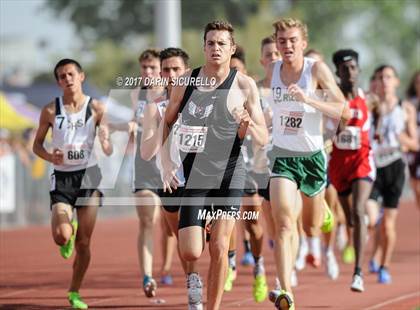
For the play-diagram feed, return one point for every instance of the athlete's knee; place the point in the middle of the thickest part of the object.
(253, 227)
(62, 234)
(146, 222)
(284, 226)
(190, 253)
(358, 215)
(60, 239)
(82, 244)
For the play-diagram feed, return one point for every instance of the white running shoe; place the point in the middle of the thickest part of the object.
(357, 284)
(301, 257)
(331, 265)
(195, 292)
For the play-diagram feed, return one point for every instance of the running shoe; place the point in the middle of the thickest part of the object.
(331, 265)
(76, 301)
(384, 277)
(357, 285)
(149, 287)
(166, 280)
(229, 280)
(328, 224)
(283, 300)
(67, 250)
(373, 266)
(195, 292)
(248, 259)
(349, 255)
(260, 288)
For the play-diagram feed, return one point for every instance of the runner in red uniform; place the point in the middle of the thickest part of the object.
(351, 168)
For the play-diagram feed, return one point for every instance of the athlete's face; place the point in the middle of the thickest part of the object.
(269, 54)
(173, 67)
(218, 47)
(235, 63)
(348, 72)
(150, 68)
(69, 78)
(291, 44)
(387, 82)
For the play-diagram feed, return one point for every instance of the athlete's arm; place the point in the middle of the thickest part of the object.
(150, 139)
(256, 123)
(169, 168)
(45, 122)
(335, 106)
(103, 130)
(408, 138)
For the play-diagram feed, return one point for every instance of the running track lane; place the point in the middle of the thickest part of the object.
(34, 276)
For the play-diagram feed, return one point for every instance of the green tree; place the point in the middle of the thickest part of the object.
(119, 19)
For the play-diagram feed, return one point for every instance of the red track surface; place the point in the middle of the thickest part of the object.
(34, 276)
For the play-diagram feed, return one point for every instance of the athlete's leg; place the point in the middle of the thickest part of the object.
(312, 217)
(389, 235)
(312, 214)
(254, 226)
(86, 217)
(415, 185)
(218, 247)
(361, 191)
(61, 227)
(147, 215)
(283, 194)
(168, 248)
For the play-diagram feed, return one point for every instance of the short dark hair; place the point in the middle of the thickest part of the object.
(239, 54)
(66, 61)
(149, 54)
(267, 40)
(174, 52)
(344, 55)
(383, 67)
(219, 25)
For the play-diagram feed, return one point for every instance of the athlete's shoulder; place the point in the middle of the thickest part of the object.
(245, 81)
(49, 108)
(97, 106)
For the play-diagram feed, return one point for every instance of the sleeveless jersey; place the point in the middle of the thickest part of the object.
(296, 125)
(74, 134)
(389, 150)
(355, 136)
(207, 138)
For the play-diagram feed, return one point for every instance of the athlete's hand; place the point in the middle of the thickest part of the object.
(57, 157)
(170, 180)
(297, 93)
(103, 133)
(241, 116)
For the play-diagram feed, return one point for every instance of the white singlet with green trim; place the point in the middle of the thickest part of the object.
(296, 126)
